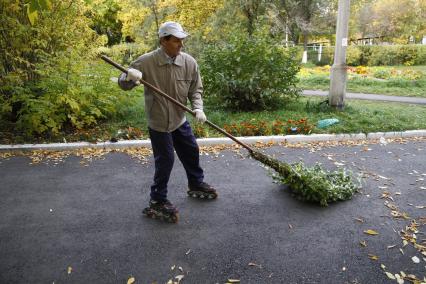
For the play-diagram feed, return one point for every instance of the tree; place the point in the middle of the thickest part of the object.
(103, 14)
(303, 18)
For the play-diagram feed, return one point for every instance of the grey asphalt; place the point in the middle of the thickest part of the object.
(89, 218)
(372, 97)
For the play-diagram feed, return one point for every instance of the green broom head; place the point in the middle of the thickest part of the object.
(312, 184)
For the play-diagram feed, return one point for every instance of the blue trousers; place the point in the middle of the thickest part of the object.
(163, 145)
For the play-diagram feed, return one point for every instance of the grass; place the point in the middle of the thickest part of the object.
(389, 80)
(358, 116)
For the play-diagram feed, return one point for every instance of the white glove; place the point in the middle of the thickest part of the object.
(134, 75)
(200, 117)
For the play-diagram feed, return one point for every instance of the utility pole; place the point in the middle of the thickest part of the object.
(338, 70)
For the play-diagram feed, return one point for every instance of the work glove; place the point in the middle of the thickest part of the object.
(200, 117)
(134, 75)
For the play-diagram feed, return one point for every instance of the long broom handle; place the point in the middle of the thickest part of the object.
(161, 93)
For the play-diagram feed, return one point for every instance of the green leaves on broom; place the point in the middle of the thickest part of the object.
(312, 184)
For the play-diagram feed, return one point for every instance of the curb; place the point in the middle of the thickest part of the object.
(290, 139)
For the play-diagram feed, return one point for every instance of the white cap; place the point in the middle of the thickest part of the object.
(172, 28)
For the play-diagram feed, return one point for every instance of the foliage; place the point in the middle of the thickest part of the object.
(249, 73)
(374, 55)
(44, 88)
(103, 14)
(312, 184)
(124, 53)
(399, 19)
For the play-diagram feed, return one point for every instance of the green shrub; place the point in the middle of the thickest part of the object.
(373, 55)
(353, 56)
(249, 74)
(70, 95)
(397, 55)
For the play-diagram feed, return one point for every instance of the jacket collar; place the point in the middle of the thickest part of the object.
(163, 58)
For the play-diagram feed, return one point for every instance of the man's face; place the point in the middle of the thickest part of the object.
(172, 46)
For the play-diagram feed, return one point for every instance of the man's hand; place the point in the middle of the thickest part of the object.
(134, 75)
(200, 117)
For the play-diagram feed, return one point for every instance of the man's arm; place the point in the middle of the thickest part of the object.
(131, 79)
(196, 91)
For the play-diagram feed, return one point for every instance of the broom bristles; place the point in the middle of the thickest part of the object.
(311, 183)
(281, 168)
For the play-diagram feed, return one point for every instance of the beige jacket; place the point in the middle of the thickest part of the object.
(179, 79)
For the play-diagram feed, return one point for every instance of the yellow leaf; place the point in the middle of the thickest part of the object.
(363, 243)
(131, 280)
(373, 257)
(69, 269)
(371, 232)
(390, 275)
(233, 280)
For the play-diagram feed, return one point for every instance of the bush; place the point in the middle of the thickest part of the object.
(373, 55)
(47, 86)
(249, 74)
(71, 95)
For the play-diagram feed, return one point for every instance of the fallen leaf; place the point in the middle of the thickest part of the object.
(359, 220)
(420, 207)
(69, 269)
(371, 232)
(392, 246)
(382, 177)
(390, 275)
(131, 280)
(363, 243)
(373, 257)
(173, 267)
(399, 279)
(179, 278)
(415, 259)
(234, 280)
(188, 252)
(290, 226)
(401, 251)
(404, 243)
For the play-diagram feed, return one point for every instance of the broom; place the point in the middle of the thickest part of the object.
(309, 184)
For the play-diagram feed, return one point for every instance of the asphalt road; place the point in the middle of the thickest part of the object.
(71, 223)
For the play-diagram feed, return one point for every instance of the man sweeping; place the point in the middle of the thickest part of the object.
(175, 73)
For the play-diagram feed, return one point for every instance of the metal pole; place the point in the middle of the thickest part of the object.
(338, 70)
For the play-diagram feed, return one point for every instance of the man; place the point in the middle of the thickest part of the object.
(175, 73)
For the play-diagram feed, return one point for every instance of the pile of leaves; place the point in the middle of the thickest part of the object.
(312, 184)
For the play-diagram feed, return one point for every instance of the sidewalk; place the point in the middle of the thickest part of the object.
(373, 97)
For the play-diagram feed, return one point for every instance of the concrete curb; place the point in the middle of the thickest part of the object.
(290, 139)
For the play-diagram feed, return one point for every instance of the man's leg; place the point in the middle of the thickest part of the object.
(162, 146)
(188, 152)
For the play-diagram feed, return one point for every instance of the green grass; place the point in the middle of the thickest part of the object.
(411, 81)
(358, 116)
